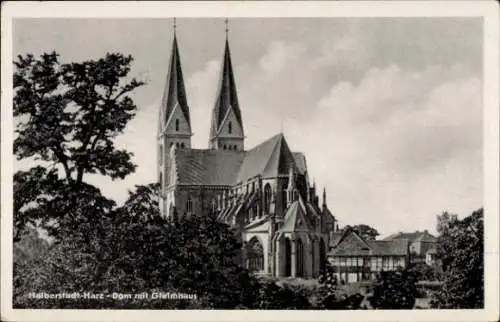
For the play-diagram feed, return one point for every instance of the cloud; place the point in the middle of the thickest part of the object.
(388, 111)
(400, 143)
(201, 90)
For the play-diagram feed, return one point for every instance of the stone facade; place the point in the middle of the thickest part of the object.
(264, 192)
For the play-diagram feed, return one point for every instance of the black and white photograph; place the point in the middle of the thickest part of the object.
(162, 158)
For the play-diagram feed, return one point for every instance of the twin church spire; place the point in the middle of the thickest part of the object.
(226, 130)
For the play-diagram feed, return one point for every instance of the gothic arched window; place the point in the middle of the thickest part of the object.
(182, 145)
(300, 257)
(225, 147)
(189, 205)
(255, 255)
(235, 147)
(177, 124)
(230, 127)
(267, 197)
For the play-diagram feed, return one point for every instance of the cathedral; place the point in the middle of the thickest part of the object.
(263, 192)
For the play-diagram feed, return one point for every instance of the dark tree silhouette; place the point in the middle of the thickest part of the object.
(460, 246)
(67, 116)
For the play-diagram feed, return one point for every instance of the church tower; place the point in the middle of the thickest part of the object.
(174, 128)
(226, 131)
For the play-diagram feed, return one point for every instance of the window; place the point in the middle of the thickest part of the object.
(225, 147)
(230, 127)
(161, 178)
(189, 205)
(182, 145)
(235, 147)
(267, 197)
(255, 255)
(300, 258)
(177, 124)
(385, 263)
(161, 153)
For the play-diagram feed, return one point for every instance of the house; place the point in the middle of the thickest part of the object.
(355, 259)
(420, 243)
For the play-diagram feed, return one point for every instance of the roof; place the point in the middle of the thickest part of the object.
(207, 167)
(389, 247)
(335, 238)
(351, 244)
(268, 159)
(413, 237)
(300, 161)
(174, 91)
(228, 167)
(295, 218)
(227, 97)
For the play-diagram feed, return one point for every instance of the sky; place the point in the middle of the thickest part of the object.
(388, 111)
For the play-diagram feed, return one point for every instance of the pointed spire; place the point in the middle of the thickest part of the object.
(174, 92)
(227, 97)
(324, 196)
(227, 27)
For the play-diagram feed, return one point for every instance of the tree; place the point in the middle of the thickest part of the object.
(67, 117)
(424, 272)
(394, 290)
(285, 297)
(131, 249)
(460, 248)
(365, 231)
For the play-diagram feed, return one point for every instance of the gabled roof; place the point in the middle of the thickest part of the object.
(413, 237)
(227, 97)
(351, 244)
(389, 247)
(295, 218)
(335, 238)
(174, 91)
(207, 167)
(268, 159)
(223, 167)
